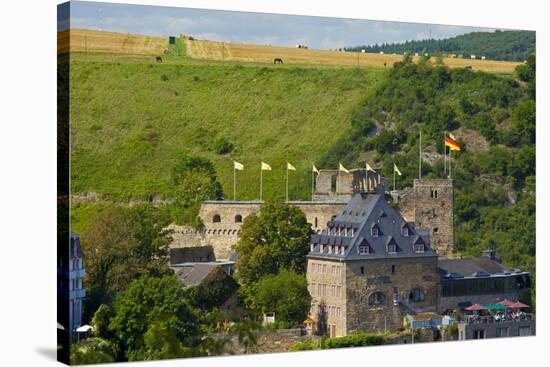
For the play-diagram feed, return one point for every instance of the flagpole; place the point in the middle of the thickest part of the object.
(450, 162)
(420, 157)
(394, 177)
(234, 183)
(261, 181)
(287, 182)
(444, 155)
(312, 185)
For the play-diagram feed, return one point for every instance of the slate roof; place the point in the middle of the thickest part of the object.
(467, 267)
(195, 274)
(191, 254)
(363, 212)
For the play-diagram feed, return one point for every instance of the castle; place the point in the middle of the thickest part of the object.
(429, 204)
(375, 256)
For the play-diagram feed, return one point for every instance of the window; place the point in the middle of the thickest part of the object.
(419, 248)
(216, 218)
(377, 298)
(417, 295)
(433, 193)
(405, 231)
(362, 270)
(502, 332)
(238, 218)
(479, 334)
(393, 269)
(375, 230)
(525, 330)
(316, 224)
(392, 249)
(364, 250)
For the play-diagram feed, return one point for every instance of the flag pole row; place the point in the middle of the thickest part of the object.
(448, 142)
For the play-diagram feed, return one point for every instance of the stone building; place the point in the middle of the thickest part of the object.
(369, 268)
(430, 204)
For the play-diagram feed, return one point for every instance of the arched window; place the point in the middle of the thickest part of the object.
(238, 218)
(377, 298)
(216, 218)
(417, 295)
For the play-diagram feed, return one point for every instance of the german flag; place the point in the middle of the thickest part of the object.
(452, 143)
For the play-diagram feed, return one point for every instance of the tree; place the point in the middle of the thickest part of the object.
(524, 121)
(284, 293)
(213, 291)
(120, 245)
(195, 181)
(93, 350)
(153, 306)
(276, 239)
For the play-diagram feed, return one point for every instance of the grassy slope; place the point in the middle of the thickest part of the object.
(129, 126)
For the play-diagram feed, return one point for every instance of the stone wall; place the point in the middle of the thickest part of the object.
(223, 219)
(338, 185)
(389, 276)
(430, 204)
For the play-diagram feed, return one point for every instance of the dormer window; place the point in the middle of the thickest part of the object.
(391, 246)
(364, 249)
(405, 231)
(352, 232)
(329, 249)
(375, 231)
(419, 248)
(312, 247)
(321, 248)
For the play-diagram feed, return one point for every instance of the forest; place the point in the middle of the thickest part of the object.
(498, 45)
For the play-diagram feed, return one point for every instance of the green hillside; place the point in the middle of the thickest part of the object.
(498, 45)
(131, 121)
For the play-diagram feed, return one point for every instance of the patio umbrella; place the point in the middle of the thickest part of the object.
(475, 307)
(506, 303)
(518, 305)
(495, 307)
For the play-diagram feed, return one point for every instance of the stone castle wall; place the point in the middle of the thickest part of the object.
(409, 273)
(223, 219)
(434, 209)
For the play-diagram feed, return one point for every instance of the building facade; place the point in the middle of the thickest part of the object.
(369, 268)
(70, 286)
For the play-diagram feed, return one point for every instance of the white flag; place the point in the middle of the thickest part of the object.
(237, 165)
(452, 136)
(369, 168)
(342, 168)
(396, 170)
(266, 167)
(315, 169)
(290, 167)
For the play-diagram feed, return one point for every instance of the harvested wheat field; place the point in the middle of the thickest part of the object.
(99, 41)
(202, 49)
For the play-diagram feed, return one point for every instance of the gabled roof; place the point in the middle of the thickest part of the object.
(364, 211)
(195, 274)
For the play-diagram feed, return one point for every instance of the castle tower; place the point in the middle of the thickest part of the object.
(434, 209)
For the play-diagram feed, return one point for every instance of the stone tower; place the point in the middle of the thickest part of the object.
(433, 201)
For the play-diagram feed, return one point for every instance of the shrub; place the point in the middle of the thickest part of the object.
(359, 339)
(164, 77)
(222, 145)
